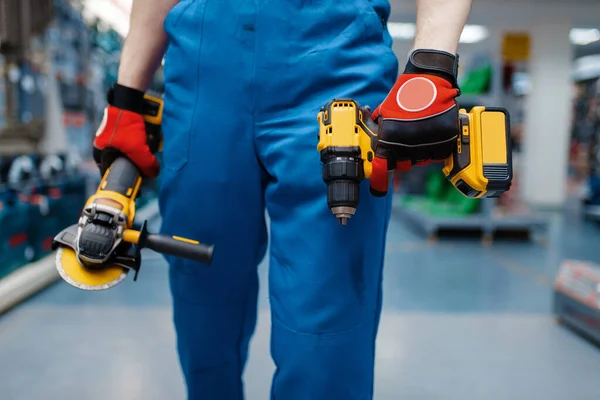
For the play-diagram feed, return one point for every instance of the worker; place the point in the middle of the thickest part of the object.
(243, 83)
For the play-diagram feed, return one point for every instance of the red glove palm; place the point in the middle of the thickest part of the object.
(418, 120)
(123, 132)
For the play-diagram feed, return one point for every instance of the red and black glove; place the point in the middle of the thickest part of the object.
(418, 120)
(123, 132)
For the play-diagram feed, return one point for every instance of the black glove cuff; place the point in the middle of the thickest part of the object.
(434, 62)
(126, 98)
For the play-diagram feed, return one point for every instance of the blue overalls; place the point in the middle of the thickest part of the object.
(244, 81)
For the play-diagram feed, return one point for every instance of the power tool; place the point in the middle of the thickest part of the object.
(481, 165)
(98, 252)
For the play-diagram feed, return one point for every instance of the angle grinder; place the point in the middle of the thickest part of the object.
(98, 252)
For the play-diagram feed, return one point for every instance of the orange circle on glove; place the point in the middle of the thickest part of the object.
(416, 94)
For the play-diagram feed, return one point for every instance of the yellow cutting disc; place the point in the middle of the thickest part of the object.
(71, 270)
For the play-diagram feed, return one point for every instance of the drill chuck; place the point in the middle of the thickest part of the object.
(343, 173)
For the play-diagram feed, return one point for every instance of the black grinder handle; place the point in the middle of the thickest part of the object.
(122, 177)
(179, 247)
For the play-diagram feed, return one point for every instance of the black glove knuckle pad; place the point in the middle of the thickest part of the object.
(404, 138)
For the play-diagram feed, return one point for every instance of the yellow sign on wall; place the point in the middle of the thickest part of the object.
(516, 46)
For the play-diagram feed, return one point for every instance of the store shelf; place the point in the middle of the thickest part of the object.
(484, 221)
(32, 278)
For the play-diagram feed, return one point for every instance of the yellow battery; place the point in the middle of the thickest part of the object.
(481, 166)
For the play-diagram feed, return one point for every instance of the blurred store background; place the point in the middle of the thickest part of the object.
(484, 299)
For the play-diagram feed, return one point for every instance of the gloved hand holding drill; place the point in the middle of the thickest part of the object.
(418, 120)
(123, 132)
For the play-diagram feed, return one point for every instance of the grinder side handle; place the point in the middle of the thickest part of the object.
(171, 245)
(180, 247)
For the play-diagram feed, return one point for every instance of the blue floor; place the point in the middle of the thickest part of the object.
(461, 321)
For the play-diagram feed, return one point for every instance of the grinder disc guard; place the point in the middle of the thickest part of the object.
(74, 273)
(72, 270)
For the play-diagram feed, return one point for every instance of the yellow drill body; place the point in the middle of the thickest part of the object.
(345, 144)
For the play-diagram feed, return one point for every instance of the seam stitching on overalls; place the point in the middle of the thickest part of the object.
(198, 76)
(245, 313)
(324, 335)
(254, 85)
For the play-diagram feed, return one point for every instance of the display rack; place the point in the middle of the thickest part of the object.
(486, 222)
(576, 298)
(585, 132)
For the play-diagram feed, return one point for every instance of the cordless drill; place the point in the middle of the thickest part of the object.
(481, 165)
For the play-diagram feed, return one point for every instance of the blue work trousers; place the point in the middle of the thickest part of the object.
(244, 81)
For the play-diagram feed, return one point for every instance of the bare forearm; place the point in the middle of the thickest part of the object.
(145, 44)
(440, 23)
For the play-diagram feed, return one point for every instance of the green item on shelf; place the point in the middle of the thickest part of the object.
(436, 184)
(438, 208)
(477, 81)
(440, 199)
(462, 204)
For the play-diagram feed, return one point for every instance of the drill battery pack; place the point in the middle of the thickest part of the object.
(481, 165)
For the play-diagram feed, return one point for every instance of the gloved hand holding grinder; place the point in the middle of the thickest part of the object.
(418, 121)
(123, 132)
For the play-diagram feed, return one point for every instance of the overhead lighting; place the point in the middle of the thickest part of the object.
(113, 13)
(581, 37)
(474, 34)
(406, 31)
(401, 30)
